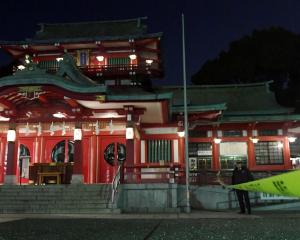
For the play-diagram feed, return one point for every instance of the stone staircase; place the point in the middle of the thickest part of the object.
(57, 199)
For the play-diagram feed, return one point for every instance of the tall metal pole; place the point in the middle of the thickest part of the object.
(186, 132)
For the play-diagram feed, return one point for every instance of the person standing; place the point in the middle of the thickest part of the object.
(241, 174)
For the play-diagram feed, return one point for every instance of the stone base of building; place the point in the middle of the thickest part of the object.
(10, 180)
(77, 179)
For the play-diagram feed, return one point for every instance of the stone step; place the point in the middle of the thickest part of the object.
(55, 190)
(61, 211)
(56, 199)
(53, 198)
(53, 195)
(56, 206)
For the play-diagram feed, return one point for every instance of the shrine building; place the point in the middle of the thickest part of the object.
(87, 100)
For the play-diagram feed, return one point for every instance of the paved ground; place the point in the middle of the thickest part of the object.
(197, 225)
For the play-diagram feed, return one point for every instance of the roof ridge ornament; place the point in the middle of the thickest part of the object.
(68, 69)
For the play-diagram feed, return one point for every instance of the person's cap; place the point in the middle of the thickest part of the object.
(238, 161)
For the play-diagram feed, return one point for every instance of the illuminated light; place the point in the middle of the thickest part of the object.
(27, 59)
(39, 129)
(132, 56)
(129, 133)
(292, 139)
(77, 134)
(59, 115)
(59, 59)
(100, 58)
(11, 135)
(111, 127)
(217, 140)
(280, 145)
(181, 134)
(3, 119)
(27, 130)
(149, 61)
(97, 128)
(254, 140)
(52, 129)
(63, 129)
(21, 67)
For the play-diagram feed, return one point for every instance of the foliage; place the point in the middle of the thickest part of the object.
(269, 54)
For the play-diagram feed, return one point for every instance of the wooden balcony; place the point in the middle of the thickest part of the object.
(116, 71)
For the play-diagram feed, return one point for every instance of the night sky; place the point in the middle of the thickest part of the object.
(210, 24)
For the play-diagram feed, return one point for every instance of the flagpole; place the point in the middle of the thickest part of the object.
(186, 133)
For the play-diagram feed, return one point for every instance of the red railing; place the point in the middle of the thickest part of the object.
(176, 174)
(171, 174)
(152, 174)
(124, 70)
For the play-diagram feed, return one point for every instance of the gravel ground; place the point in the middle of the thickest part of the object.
(276, 227)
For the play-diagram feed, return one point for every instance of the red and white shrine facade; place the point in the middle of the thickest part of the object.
(78, 107)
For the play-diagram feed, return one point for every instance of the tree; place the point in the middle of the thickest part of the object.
(269, 54)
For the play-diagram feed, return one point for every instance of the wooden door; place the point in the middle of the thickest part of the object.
(112, 152)
(26, 153)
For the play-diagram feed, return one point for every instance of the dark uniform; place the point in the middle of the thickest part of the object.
(242, 175)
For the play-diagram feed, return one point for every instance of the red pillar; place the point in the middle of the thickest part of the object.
(11, 170)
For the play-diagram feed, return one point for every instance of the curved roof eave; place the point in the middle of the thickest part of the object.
(144, 97)
(201, 108)
(50, 80)
(75, 40)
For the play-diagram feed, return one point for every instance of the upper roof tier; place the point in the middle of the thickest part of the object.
(88, 31)
(104, 51)
(127, 27)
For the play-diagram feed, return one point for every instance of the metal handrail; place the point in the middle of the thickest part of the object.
(115, 183)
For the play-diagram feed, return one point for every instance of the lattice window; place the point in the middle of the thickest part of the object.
(53, 64)
(119, 61)
(233, 133)
(295, 148)
(268, 132)
(159, 151)
(268, 153)
(198, 133)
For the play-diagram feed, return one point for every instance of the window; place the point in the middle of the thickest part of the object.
(110, 154)
(295, 148)
(48, 65)
(197, 133)
(268, 132)
(159, 151)
(119, 61)
(200, 156)
(83, 58)
(58, 152)
(295, 153)
(230, 152)
(268, 153)
(233, 133)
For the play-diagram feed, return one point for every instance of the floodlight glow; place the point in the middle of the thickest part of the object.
(132, 56)
(100, 58)
(59, 115)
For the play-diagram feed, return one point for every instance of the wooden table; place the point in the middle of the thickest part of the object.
(42, 175)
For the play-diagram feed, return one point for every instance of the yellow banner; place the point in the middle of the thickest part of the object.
(286, 184)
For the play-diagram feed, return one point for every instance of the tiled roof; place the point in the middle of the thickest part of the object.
(91, 29)
(242, 99)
